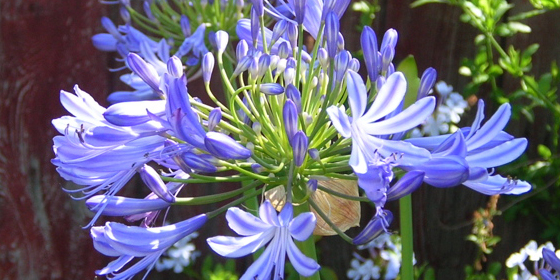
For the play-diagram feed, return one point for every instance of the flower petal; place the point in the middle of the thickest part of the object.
(340, 120)
(268, 214)
(244, 223)
(234, 247)
(302, 226)
(388, 98)
(491, 128)
(499, 185)
(303, 264)
(411, 117)
(500, 155)
(357, 94)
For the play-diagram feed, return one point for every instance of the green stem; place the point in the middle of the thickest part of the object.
(329, 222)
(308, 246)
(405, 206)
(215, 197)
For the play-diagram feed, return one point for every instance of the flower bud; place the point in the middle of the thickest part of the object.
(354, 65)
(390, 39)
(387, 56)
(377, 225)
(111, 28)
(341, 64)
(426, 82)
(332, 27)
(199, 162)
(145, 71)
(207, 67)
(368, 41)
(214, 118)
(125, 15)
(257, 168)
(406, 185)
(241, 50)
(323, 58)
(281, 65)
(289, 75)
(299, 146)
(380, 82)
(293, 93)
(154, 182)
(292, 35)
(242, 65)
(314, 154)
(340, 42)
(224, 147)
(273, 61)
(185, 26)
(254, 68)
(290, 116)
(117, 206)
(258, 7)
(255, 26)
(257, 127)
(264, 63)
(312, 185)
(175, 67)
(272, 88)
(283, 50)
(221, 38)
(279, 28)
(104, 42)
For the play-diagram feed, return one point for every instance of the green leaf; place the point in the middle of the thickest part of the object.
(424, 2)
(519, 27)
(327, 273)
(544, 151)
(430, 274)
(495, 268)
(410, 70)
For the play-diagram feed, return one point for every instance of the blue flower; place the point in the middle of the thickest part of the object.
(96, 153)
(276, 229)
(476, 148)
(129, 242)
(366, 127)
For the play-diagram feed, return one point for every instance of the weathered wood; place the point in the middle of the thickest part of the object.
(45, 46)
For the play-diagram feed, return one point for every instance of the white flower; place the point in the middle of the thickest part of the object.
(180, 255)
(443, 89)
(363, 271)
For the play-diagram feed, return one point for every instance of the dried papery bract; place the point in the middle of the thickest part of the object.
(342, 212)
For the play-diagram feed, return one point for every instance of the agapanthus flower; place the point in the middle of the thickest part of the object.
(365, 127)
(278, 230)
(130, 242)
(481, 147)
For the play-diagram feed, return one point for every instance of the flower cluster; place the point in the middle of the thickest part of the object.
(446, 116)
(383, 262)
(542, 257)
(290, 118)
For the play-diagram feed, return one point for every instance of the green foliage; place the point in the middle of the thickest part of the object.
(491, 274)
(367, 10)
(215, 271)
(494, 20)
(410, 71)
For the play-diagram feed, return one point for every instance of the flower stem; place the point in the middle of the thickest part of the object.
(308, 246)
(405, 206)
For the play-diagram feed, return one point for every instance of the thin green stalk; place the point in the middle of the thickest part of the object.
(329, 222)
(405, 207)
(215, 197)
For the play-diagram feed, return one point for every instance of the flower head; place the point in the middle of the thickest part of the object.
(278, 230)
